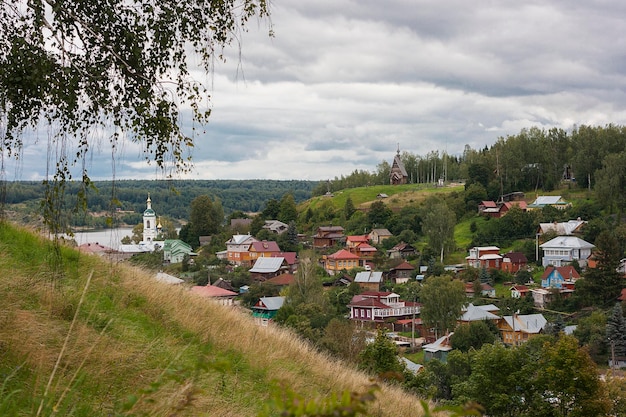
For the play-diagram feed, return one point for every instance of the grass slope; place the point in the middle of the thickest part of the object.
(82, 337)
(398, 196)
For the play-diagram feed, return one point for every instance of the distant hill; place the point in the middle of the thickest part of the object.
(84, 337)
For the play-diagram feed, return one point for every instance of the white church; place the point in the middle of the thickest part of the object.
(151, 230)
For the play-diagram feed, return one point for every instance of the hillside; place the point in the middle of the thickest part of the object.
(83, 337)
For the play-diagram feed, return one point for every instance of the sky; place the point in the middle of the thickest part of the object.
(343, 84)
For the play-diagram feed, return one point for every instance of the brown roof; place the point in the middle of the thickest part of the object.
(290, 257)
(566, 272)
(282, 279)
(516, 257)
(265, 246)
(404, 266)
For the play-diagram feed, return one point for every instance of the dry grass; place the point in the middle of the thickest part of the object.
(133, 337)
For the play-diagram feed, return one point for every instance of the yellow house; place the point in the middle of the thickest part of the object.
(339, 261)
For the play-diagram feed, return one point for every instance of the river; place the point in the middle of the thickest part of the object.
(109, 237)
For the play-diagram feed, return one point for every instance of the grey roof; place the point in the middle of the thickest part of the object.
(167, 278)
(571, 242)
(440, 345)
(410, 365)
(529, 323)
(547, 199)
(562, 228)
(266, 265)
(476, 313)
(369, 276)
(239, 239)
(273, 303)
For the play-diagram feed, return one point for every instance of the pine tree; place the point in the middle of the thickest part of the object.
(616, 331)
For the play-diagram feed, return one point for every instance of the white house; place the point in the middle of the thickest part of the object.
(563, 250)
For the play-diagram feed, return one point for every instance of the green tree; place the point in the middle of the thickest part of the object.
(442, 300)
(380, 357)
(438, 226)
(611, 183)
(472, 336)
(616, 331)
(206, 217)
(348, 208)
(602, 285)
(81, 68)
(378, 214)
(288, 211)
(591, 332)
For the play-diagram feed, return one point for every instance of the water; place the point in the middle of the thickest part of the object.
(109, 237)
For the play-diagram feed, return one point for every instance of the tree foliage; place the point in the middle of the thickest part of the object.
(442, 299)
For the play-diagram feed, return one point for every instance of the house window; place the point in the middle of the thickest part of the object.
(367, 314)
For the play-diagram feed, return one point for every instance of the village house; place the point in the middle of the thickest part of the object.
(262, 249)
(438, 349)
(484, 257)
(290, 257)
(238, 249)
(275, 226)
(353, 241)
(555, 201)
(339, 261)
(513, 262)
(374, 306)
(282, 280)
(563, 250)
(369, 280)
(378, 236)
(519, 291)
(402, 250)
(366, 253)
(327, 236)
(517, 329)
(175, 250)
(266, 268)
(215, 294)
(486, 290)
(479, 313)
(401, 273)
(570, 227)
(265, 309)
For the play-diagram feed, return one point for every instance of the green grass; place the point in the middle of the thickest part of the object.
(121, 344)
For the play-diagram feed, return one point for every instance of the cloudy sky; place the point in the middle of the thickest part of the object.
(344, 82)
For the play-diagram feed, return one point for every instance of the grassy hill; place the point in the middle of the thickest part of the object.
(397, 195)
(83, 337)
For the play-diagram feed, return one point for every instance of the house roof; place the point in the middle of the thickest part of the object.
(519, 288)
(403, 246)
(265, 246)
(440, 345)
(94, 248)
(270, 303)
(343, 254)
(410, 365)
(267, 265)
(562, 228)
(357, 238)
(516, 257)
(330, 229)
(475, 313)
(366, 247)
(369, 277)
(282, 279)
(167, 278)
(567, 242)
(543, 200)
(529, 323)
(510, 204)
(404, 266)
(489, 256)
(239, 239)
(367, 302)
(488, 203)
(566, 272)
(290, 257)
(381, 232)
(212, 291)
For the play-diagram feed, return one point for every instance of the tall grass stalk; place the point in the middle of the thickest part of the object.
(65, 343)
